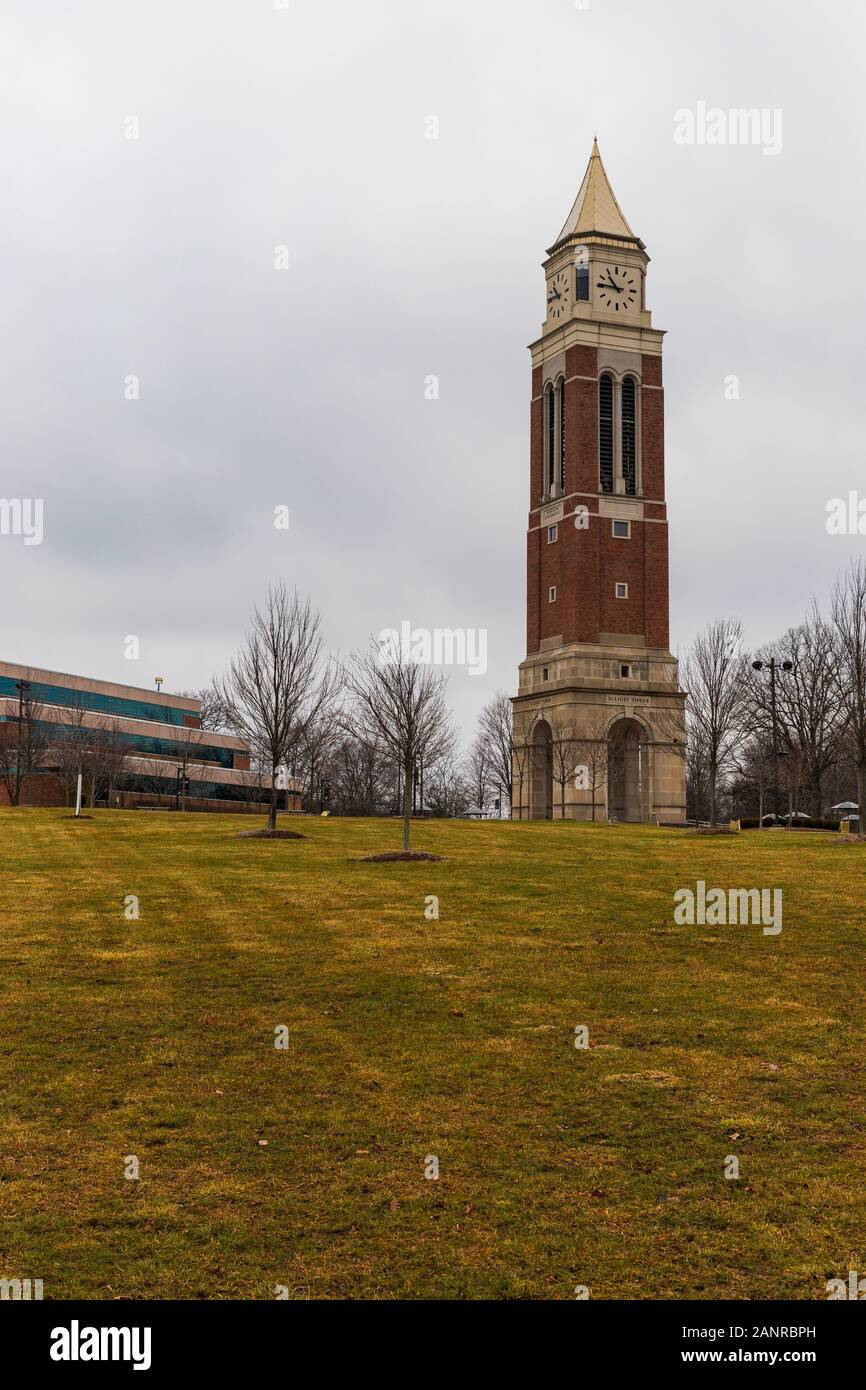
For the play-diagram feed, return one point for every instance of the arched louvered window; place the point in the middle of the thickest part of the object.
(605, 432)
(550, 440)
(629, 436)
(560, 392)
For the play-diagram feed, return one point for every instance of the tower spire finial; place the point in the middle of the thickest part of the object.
(595, 208)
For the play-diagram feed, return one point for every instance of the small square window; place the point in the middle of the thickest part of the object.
(622, 529)
(625, 672)
(551, 594)
(552, 534)
(622, 591)
(545, 673)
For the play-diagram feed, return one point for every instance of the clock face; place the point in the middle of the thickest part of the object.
(617, 288)
(557, 295)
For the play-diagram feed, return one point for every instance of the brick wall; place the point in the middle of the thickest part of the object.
(585, 565)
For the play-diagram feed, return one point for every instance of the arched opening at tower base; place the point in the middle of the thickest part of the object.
(541, 774)
(627, 775)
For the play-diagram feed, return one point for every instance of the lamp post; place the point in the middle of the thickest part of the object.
(23, 694)
(181, 785)
(773, 666)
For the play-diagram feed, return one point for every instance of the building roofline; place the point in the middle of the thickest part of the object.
(188, 735)
(97, 686)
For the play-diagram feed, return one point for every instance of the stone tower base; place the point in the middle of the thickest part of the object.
(599, 734)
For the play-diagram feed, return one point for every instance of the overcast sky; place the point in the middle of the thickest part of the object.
(261, 126)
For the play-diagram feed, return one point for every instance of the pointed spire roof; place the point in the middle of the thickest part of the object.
(595, 208)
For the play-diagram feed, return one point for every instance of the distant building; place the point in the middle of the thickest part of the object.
(134, 747)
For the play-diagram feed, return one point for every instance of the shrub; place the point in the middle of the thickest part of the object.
(751, 823)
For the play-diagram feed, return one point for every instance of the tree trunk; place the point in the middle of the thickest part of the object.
(407, 804)
(861, 792)
(272, 808)
(712, 798)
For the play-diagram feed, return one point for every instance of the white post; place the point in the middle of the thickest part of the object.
(78, 797)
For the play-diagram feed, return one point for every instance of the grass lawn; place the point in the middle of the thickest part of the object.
(409, 1038)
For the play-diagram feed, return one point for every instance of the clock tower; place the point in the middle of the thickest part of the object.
(599, 716)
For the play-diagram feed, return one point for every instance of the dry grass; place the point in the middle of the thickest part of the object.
(408, 1038)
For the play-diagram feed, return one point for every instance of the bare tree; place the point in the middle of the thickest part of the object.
(809, 715)
(848, 615)
(564, 756)
(447, 791)
(496, 732)
(715, 681)
(113, 750)
(756, 766)
(185, 740)
(312, 758)
(213, 714)
(523, 755)
(696, 767)
(8, 760)
(401, 703)
(478, 772)
(24, 746)
(72, 743)
(592, 751)
(246, 788)
(278, 683)
(360, 772)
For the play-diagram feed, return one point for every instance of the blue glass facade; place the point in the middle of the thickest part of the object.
(92, 700)
(174, 742)
(143, 743)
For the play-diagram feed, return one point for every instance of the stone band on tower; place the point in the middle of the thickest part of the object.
(599, 717)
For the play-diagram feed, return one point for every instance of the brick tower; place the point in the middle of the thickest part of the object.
(598, 719)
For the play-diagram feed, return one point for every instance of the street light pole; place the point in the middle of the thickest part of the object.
(773, 666)
(22, 687)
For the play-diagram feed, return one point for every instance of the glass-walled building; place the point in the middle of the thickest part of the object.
(133, 747)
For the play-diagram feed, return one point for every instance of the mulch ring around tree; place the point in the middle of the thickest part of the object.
(399, 857)
(270, 835)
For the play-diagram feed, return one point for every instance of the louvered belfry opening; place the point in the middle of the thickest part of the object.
(605, 432)
(629, 437)
(561, 394)
(549, 405)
